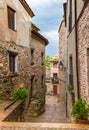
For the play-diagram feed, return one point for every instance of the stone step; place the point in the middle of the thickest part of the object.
(41, 126)
(35, 108)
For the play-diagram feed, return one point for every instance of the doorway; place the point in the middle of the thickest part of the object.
(55, 89)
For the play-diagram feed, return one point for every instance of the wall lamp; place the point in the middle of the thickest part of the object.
(61, 66)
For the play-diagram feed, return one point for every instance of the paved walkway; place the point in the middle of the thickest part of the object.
(54, 112)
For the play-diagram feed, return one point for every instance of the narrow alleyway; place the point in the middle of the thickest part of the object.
(54, 112)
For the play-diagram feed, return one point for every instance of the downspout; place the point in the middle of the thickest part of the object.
(66, 64)
(76, 42)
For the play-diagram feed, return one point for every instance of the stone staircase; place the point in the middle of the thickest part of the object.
(41, 126)
(35, 109)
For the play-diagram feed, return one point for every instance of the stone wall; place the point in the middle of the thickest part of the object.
(16, 41)
(38, 65)
(17, 113)
(21, 78)
(62, 86)
(62, 43)
(83, 52)
(42, 126)
(63, 58)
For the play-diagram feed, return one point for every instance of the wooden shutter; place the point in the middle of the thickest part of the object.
(12, 63)
(11, 18)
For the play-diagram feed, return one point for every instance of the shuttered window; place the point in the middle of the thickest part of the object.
(11, 18)
(42, 58)
(32, 56)
(70, 17)
(12, 62)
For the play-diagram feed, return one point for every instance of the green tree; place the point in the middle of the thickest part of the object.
(48, 60)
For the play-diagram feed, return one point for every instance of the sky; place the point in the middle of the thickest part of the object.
(48, 16)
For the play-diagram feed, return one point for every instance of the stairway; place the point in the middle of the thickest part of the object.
(35, 109)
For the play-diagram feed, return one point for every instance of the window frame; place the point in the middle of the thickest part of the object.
(13, 66)
(11, 25)
(32, 56)
(70, 15)
(42, 58)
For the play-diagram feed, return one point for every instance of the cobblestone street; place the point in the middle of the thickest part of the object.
(54, 112)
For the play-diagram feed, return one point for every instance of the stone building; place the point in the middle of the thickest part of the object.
(48, 81)
(62, 62)
(18, 42)
(15, 27)
(77, 46)
(53, 77)
(83, 51)
(38, 72)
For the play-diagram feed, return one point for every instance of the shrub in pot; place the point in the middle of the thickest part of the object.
(20, 93)
(80, 111)
(8, 92)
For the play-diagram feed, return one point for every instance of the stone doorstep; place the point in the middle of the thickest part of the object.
(42, 126)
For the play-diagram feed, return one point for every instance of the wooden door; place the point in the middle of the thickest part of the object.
(55, 89)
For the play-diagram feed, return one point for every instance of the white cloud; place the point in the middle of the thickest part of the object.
(42, 3)
(52, 36)
(49, 14)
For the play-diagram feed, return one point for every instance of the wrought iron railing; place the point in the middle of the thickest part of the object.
(55, 80)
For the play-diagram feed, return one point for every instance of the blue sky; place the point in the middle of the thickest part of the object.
(48, 16)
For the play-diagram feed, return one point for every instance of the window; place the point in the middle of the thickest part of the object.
(88, 62)
(70, 16)
(42, 81)
(42, 56)
(32, 56)
(71, 65)
(71, 71)
(55, 75)
(55, 65)
(11, 18)
(12, 62)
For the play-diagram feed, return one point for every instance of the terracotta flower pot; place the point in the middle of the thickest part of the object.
(8, 95)
(81, 121)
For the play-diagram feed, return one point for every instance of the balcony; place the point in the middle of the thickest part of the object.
(55, 80)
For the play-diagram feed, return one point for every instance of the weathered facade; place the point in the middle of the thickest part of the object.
(48, 82)
(77, 45)
(53, 77)
(83, 52)
(63, 58)
(38, 72)
(15, 27)
(17, 40)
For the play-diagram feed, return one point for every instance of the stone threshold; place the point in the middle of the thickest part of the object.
(42, 126)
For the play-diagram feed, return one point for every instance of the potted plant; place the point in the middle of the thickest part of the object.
(20, 93)
(8, 92)
(80, 111)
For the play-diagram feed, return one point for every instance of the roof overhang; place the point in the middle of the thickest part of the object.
(34, 27)
(65, 9)
(40, 36)
(27, 8)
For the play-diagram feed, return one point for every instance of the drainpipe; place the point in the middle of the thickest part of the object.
(66, 64)
(76, 42)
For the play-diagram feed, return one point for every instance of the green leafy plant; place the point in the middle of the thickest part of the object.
(70, 89)
(41, 98)
(48, 62)
(8, 90)
(80, 110)
(20, 93)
